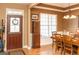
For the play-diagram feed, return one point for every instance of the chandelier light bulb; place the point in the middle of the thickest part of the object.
(69, 17)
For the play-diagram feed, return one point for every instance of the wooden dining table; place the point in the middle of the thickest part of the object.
(75, 42)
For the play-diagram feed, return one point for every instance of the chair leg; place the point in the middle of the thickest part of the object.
(64, 50)
(61, 51)
(53, 42)
(55, 48)
(72, 51)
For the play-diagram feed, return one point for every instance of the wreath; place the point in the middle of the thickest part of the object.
(15, 21)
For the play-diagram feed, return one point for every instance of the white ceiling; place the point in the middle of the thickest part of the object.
(64, 5)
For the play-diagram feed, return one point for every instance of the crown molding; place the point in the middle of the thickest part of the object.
(33, 4)
(41, 7)
(50, 6)
(72, 6)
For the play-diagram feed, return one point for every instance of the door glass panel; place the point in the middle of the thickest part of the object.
(14, 24)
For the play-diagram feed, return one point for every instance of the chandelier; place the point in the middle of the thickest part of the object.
(69, 16)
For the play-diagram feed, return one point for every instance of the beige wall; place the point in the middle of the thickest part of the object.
(16, 6)
(71, 25)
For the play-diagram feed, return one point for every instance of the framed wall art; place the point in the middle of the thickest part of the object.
(35, 16)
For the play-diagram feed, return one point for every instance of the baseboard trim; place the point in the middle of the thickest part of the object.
(27, 47)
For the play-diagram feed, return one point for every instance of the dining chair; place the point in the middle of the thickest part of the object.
(53, 37)
(58, 43)
(67, 43)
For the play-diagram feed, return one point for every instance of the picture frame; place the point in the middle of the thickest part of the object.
(35, 16)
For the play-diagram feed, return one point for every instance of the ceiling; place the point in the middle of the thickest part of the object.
(64, 5)
(25, 3)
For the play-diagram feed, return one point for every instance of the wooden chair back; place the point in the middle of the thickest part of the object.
(67, 43)
(58, 37)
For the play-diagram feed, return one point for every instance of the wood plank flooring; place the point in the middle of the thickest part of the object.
(44, 50)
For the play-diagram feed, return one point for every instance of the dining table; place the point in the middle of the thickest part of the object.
(75, 42)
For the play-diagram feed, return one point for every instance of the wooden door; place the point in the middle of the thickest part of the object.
(14, 31)
(36, 34)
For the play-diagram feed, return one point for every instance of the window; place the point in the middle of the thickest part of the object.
(15, 25)
(48, 24)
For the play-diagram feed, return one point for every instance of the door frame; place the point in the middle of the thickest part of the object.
(22, 14)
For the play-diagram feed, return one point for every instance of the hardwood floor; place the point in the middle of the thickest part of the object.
(44, 50)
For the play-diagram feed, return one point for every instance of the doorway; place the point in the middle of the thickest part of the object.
(14, 31)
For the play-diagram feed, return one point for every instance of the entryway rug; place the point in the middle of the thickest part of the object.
(17, 52)
(3, 53)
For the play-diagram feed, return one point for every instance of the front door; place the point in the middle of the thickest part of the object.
(14, 31)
